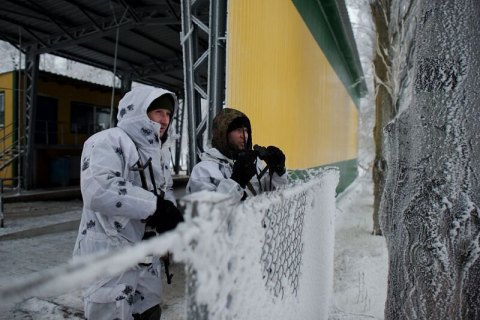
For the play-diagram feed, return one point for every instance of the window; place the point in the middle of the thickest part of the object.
(87, 118)
(2, 109)
(102, 118)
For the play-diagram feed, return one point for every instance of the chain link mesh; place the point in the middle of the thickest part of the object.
(282, 248)
(262, 258)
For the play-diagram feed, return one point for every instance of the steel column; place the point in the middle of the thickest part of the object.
(216, 60)
(125, 84)
(179, 130)
(200, 58)
(31, 74)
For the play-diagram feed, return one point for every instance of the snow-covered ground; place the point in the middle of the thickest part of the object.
(359, 280)
(361, 260)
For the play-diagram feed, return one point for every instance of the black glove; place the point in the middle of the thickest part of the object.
(275, 160)
(244, 168)
(166, 216)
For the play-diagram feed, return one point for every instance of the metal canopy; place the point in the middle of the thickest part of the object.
(178, 45)
(146, 32)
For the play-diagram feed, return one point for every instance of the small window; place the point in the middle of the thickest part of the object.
(80, 115)
(102, 118)
(2, 109)
(88, 118)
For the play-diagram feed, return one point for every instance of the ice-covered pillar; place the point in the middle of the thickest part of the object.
(430, 207)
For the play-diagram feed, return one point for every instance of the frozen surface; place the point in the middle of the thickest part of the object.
(360, 278)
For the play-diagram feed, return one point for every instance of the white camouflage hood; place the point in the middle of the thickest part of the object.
(132, 116)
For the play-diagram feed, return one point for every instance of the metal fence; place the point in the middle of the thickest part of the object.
(269, 257)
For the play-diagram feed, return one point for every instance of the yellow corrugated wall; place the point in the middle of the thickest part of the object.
(278, 75)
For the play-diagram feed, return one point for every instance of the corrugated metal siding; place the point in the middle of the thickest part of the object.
(278, 75)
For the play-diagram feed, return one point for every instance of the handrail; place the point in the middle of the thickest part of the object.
(11, 133)
(9, 151)
(48, 132)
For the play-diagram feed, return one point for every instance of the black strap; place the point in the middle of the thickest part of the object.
(141, 170)
(152, 177)
(252, 190)
(249, 185)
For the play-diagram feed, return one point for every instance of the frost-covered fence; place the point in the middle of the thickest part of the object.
(271, 257)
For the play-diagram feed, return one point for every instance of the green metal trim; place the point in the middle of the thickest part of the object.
(329, 24)
(348, 173)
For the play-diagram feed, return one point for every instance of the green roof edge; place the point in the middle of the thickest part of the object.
(330, 25)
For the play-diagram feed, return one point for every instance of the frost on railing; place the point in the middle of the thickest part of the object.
(270, 257)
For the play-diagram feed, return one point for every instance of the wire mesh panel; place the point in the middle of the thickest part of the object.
(282, 247)
(269, 257)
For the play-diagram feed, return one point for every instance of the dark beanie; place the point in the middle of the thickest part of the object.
(165, 101)
(239, 122)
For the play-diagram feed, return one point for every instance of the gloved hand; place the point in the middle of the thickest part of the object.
(275, 160)
(244, 168)
(166, 216)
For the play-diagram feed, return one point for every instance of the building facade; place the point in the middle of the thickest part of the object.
(291, 67)
(68, 112)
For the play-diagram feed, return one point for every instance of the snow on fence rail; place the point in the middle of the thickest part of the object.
(269, 257)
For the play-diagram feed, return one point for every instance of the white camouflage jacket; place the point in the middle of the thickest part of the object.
(213, 173)
(114, 200)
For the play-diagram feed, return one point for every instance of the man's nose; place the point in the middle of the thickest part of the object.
(164, 120)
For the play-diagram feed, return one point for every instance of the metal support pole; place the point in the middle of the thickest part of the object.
(126, 84)
(31, 73)
(203, 42)
(18, 112)
(179, 130)
(216, 60)
(189, 47)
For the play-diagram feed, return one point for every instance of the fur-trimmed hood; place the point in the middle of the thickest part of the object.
(220, 125)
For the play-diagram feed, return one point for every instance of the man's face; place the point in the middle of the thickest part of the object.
(161, 116)
(237, 139)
